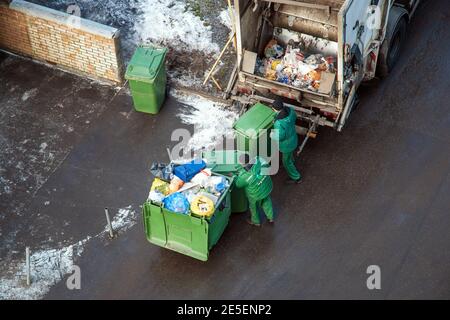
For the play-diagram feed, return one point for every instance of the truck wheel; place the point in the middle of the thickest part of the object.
(391, 48)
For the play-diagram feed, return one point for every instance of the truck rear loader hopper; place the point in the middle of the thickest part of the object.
(364, 36)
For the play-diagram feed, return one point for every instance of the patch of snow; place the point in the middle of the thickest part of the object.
(7, 190)
(123, 220)
(29, 94)
(168, 22)
(48, 267)
(212, 121)
(187, 81)
(225, 18)
(6, 185)
(20, 165)
(42, 147)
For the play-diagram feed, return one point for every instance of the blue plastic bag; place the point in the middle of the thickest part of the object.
(176, 202)
(217, 185)
(187, 171)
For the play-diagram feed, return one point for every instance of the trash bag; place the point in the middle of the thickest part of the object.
(201, 178)
(156, 197)
(273, 50)
(160, 186)
(293, 57)
(175, 184)
(162, 171)
(202, 206)
(216, 185)
(271, 74)
(176, 202)
(191, 193)
(260, 68)
(187, 171)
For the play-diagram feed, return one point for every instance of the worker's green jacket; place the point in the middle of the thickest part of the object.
(287, 135)
(257, 186)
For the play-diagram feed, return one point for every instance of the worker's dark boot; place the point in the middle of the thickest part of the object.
(250, 222)
(292, 181)
(271, 221)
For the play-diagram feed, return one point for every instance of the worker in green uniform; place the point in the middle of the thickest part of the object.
(257, 188)
(287, 138)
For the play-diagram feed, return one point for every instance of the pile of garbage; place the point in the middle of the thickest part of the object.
(293, 65)
(189, 188)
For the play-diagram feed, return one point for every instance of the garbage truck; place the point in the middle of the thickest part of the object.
(347, 42)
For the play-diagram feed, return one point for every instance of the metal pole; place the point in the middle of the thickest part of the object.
(108, 220)
(27, 257)
(308, 134)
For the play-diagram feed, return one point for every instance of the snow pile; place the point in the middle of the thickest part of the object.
(48, 267)
(211, 120)
(168, 22)
(187, 80)
(225, 18)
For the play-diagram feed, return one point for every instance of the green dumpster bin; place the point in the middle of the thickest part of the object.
(146, 74)
(187, 234)
(254, 126)
(225, 162)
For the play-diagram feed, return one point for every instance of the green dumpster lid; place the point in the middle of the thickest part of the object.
(145, 63)
(258, 117)
(223, 161)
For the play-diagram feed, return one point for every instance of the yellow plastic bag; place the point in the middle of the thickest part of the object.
(161, 186)
(275, 64)
(271, 75)
(202, 206)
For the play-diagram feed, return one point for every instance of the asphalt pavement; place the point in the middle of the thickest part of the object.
(376, 194)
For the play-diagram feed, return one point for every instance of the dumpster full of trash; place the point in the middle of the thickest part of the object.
(188, 212)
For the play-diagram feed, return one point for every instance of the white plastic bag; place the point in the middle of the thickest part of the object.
(202, 177)
(156, 196)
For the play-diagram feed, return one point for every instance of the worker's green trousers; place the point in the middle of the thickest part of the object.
(289, 165)
(265, 204)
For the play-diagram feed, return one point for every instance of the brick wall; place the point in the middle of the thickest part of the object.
(76, 44)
